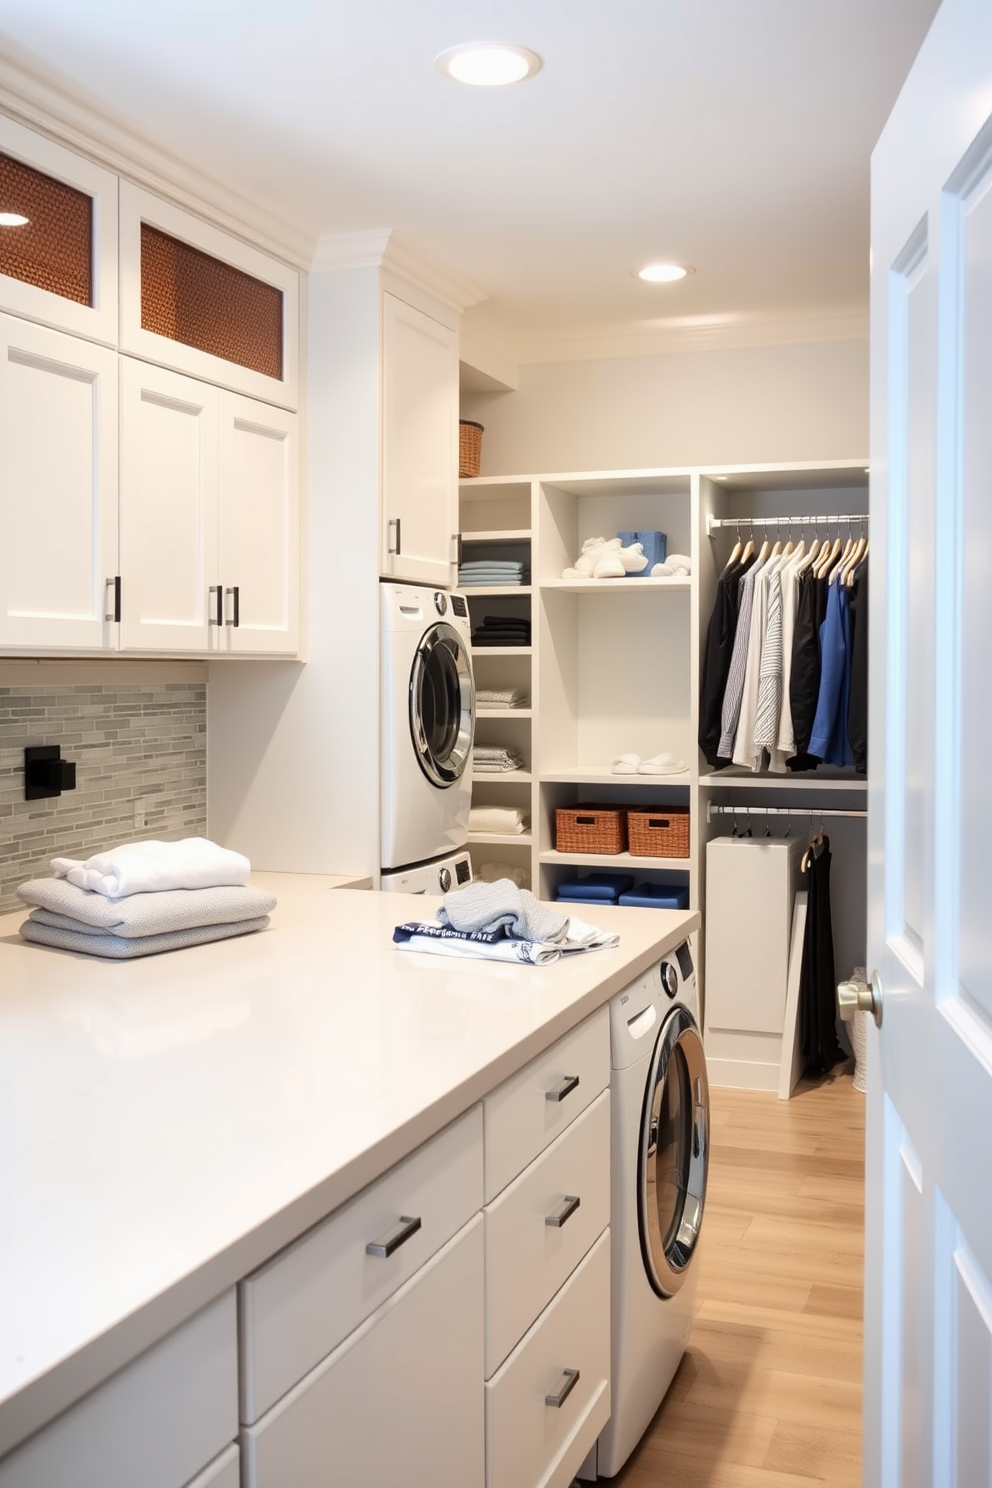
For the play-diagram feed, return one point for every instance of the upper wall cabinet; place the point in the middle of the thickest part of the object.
(419, 445)
(58, 489)
(58, 265)
(202, 302)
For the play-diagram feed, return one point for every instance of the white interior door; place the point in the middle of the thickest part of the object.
(58, 488)
(169, 475)
(928, 1285)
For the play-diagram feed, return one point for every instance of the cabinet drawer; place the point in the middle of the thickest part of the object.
(298, 1307)
(223, 1472)
(535, 1105)
(528, 1259)
(154, 1423)
(401, 1401)
(528, 1441)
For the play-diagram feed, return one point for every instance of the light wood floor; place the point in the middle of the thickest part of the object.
(769, 1392)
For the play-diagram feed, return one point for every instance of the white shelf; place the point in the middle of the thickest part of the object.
(508, 534)
(593, 775)
(811, 781)
(504, 712)
(489, 591)
(500, 777)
(618, 586)
(501, 651)
(500, 839)
(615, 860)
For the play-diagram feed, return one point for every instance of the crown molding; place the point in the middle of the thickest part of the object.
(711, 336)
(384, 248)
(48, 104)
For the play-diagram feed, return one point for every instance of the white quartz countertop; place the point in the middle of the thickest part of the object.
(169, 1123)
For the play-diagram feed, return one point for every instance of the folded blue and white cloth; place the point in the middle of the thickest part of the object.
(438, 939)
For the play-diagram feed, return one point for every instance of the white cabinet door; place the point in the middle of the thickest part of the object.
(258, 514)
(169, 559)
(401, 1401)
(58, 488)
(419, 445)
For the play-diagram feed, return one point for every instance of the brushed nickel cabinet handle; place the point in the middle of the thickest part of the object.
(115, 608)
(571, 1380)
(216, 593)
(559, 1092)
(394, 1238)
(235, 592)
(563, 1213)
(396, 522)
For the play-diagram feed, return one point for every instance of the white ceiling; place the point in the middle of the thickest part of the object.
(734, 135)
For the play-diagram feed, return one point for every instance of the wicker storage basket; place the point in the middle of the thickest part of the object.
(660, 833)
(469, 447)
(591, 829)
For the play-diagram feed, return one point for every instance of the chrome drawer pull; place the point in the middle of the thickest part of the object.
(566, 1211)
(565, 1088)
(571, 1380)
(394, 1238)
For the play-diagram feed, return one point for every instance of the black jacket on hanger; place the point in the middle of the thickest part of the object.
(717, 653)
(804, 683)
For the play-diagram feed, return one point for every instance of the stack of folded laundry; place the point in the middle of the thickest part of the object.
(656, 764)
(501, 922)
(502, 697)
(493, 759)
(501, 630)
(145, 897)
(491, 573)
(503, 821)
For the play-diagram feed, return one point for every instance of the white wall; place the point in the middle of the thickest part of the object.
(750, 405)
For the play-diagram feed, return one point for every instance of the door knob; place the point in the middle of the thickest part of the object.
(857, 997)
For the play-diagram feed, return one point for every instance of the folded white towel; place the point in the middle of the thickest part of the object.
(662, 764)
(497, 819)
(674, 566)
(149, 867)
(625, 764)
(502, 697)
(60, 904)
(123, 948)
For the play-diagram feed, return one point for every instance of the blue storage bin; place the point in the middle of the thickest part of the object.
(657, 896)
(655, 545)
(598, 888)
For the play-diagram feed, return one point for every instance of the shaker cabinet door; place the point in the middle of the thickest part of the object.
(419, 445)
(169, 560)
(58, 489)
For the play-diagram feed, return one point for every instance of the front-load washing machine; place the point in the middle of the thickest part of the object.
(427, 721)
(659, 1097)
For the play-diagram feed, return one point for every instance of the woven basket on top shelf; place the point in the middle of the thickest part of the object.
(660, 833)
(591, 829)
(469, 448)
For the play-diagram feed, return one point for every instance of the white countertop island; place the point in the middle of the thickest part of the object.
(171, 1122)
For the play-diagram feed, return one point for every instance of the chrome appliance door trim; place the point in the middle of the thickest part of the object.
(442, 671)
(678, 1055)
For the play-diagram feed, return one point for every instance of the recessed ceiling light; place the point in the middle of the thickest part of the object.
(13, 219)
(663, 273)
(488, 64)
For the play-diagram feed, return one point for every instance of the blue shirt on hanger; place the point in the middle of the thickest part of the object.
(829, 739)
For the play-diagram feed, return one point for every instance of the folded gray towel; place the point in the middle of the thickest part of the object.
(156, 913)
(120, 948)
(491, 906)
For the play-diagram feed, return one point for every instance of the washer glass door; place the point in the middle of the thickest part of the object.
(674, 1153)
(442, 705)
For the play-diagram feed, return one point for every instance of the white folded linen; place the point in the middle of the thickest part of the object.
(124, 948)
(148, 867)
(496, 819)
(502, 697)
(60, 904)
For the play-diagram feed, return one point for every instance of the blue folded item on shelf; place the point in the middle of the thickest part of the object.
(655, 545)
(657, 896)
(598, 888)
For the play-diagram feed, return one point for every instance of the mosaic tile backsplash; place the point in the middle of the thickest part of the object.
(130, 742)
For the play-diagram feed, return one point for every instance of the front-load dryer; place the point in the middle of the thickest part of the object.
(427, 724)
(659, 1099)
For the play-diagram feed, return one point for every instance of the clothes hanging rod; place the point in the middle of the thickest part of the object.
(809, 812)
(827, 519)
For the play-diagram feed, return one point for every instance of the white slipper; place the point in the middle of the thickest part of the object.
(626, 764)
(662, 764)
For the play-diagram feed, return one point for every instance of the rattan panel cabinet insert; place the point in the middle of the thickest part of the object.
(59, 266)
(197, 300)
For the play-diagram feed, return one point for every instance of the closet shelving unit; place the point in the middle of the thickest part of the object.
(614, 665)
